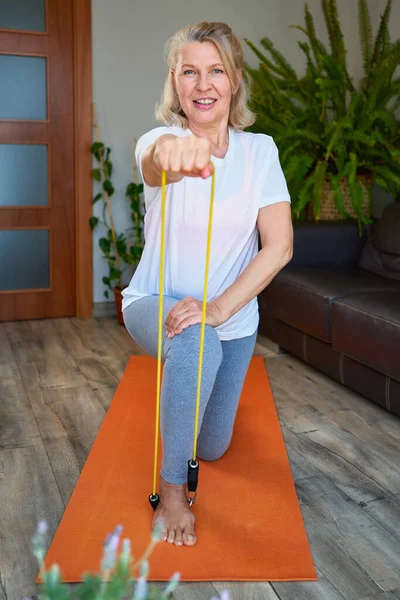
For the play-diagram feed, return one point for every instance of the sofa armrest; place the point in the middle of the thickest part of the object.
(327, 244)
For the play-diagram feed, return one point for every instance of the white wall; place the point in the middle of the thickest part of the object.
(129, 70)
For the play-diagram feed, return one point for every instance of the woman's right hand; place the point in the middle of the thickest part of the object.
(188, 156)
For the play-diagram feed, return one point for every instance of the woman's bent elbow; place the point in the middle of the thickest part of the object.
(287, 255)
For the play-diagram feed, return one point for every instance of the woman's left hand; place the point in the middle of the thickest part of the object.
(188, 312)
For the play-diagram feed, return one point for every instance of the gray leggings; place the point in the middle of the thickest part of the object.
(224, 369)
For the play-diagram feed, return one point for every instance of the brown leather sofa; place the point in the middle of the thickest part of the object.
(336, 305)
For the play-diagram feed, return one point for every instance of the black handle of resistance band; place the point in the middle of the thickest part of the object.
(193, 475)
(154, 500)
(193, 478)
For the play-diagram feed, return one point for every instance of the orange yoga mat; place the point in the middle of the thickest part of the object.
(248, 521)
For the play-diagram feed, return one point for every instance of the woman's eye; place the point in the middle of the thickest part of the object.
(188, 71)
(219, 70)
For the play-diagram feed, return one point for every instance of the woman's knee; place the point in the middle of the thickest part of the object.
(209, 454)
(187, 345)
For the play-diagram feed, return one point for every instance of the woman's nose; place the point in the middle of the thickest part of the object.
(203, 82)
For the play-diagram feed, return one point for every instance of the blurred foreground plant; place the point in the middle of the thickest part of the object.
(116, 576)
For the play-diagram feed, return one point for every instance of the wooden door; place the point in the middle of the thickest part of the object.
(38, 154)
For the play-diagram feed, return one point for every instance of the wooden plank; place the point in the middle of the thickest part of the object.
(120, 335)
(68, 420)
(6, 353)
(194, 591)
(376, 467)
(35, 340)
(28, 493)
(381, 443)
(84, 338)
(309, 386)
(3, 591)
(100, 358)
(25, 348)
(386, 512)
(322, 589)
(355, 483)
(37, 343)
(383, 596)
(371, 545)
(251, 590)
(103, 371)
(18, 425)
(305, 387)
(50, 373)
(334, 558)
(105, 395)
(299, 466)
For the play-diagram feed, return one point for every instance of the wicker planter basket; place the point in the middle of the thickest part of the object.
(329, 211)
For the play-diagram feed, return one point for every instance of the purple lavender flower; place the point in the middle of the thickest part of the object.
(42, 527)
(37, 540)
(110, 548)
(224, 596)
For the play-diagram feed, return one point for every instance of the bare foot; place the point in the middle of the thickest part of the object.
(173, 508)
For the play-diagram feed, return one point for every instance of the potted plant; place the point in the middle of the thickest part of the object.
(122, 251)
(111, 244)
(130, 246)
(334, 139)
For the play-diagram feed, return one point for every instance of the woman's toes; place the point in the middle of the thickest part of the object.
(171, 535)
(164, 535)
(178, 537)
(189, 539)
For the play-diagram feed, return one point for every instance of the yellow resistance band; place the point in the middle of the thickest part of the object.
(160, 319)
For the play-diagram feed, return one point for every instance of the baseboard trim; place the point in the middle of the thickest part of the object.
(104, 309)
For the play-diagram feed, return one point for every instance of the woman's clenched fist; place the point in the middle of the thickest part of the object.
(189, 156)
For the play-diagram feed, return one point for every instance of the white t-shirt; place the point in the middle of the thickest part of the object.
(246, 179)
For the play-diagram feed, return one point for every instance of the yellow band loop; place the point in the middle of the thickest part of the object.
(160, 319)
(203, 317)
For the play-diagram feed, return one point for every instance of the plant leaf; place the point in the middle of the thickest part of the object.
(93, 222)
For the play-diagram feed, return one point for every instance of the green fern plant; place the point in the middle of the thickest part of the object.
(326, 129)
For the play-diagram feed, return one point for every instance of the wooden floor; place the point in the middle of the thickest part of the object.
(57, 379)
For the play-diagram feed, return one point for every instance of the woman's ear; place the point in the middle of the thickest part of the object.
(173, 78)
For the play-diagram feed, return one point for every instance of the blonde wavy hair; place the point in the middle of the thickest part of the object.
(169, 110)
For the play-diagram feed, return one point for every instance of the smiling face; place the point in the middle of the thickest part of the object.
(202, 84)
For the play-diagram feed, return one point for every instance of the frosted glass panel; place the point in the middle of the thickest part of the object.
(23, 175)
(23, 87)
(23, 15)
(24, 259)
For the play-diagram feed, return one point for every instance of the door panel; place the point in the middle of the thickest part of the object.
(37, 198)
(25, 269)
(23, 15)
(33, 188)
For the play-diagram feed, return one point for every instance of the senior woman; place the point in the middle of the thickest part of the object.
(204, 109)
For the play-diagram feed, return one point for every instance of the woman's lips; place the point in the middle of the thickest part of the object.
(204, 106)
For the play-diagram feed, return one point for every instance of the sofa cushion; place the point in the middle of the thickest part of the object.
(366, 327)
(381, 254)
(302, 297)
